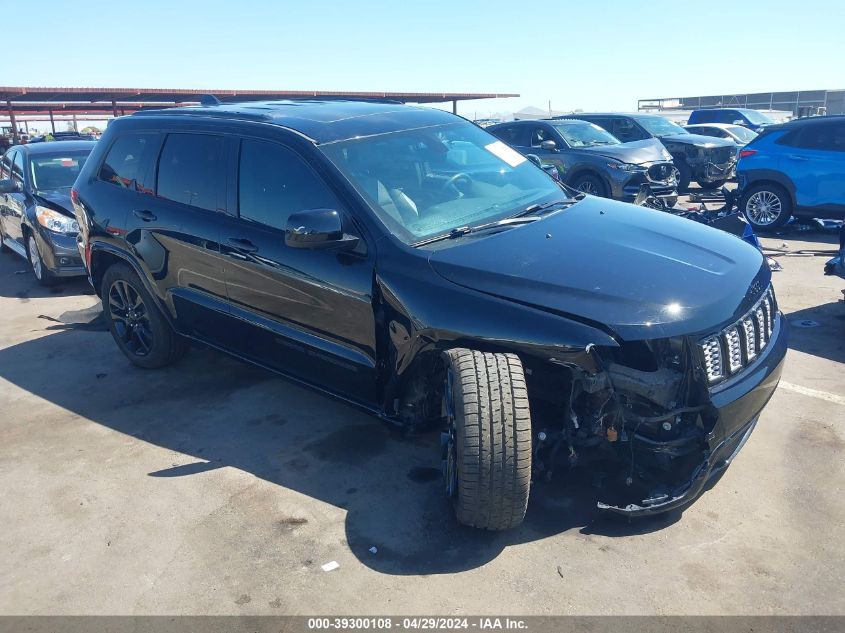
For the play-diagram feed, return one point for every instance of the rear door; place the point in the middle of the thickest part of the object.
(815, 161)
(174, 230)
(307, 313)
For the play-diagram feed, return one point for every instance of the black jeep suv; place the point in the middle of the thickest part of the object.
(408, 262)
(708, 160)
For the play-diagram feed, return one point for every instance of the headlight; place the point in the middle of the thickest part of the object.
(626, 167)
(55, 221)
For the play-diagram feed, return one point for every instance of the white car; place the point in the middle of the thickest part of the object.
(736, 133)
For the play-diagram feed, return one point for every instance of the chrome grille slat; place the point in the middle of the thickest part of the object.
(731, 350)
(750, 338)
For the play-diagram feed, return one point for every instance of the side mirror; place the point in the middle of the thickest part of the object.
(548, 146)
(534, 159)
(9, 186)
(317, 229)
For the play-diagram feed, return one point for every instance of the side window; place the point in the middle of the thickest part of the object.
(126, 160)
(6, 164)
(273, 183)
(17, 166)
(540, 134)
(190, 169)
(821, 136)
(509, 135)
(625, 130)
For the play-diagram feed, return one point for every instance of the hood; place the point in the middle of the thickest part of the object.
(59, 200)
(637, 152)
(642, 273)
(698, 140)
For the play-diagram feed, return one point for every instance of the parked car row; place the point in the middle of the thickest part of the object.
(410, 263)
(641, 148)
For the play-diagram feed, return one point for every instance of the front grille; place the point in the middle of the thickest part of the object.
(721, 155)
(727, 353)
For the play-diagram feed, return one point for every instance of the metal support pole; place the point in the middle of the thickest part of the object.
(114, 108)
(454, 106)
(52, 122)
(15, 137)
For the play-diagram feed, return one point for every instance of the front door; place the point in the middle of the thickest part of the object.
(307, 313)
(14, 204)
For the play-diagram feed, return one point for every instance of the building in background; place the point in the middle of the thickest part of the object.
(799, 103)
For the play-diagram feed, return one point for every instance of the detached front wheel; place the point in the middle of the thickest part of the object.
(487, 444)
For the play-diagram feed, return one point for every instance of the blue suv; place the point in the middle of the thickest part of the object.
(797, 168)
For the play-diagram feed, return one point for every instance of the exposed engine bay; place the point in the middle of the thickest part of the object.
(646, 405)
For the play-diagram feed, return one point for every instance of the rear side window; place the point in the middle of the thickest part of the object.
(820, 136)
(125, 162)
(273, 182)
(190, 169)
(510, 135)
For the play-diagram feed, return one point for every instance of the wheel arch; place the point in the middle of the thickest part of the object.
(770, 176)
(581, 170)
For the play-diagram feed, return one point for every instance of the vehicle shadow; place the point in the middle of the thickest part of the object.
(18, 282)
(224, 413)
(824, 339)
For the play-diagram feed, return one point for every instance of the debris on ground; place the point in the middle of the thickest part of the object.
(373, 550)
(330, 566)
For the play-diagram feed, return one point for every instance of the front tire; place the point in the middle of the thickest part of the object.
(135, 321)
(684, 175)
(766, 206)
(709, 186)
(41, 272)
(590, 184)
(488, 446)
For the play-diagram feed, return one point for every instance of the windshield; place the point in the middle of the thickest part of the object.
(583, 134)
(757, 118)
(56, 171)
(658, 126)
(743, 134)
(427, 182)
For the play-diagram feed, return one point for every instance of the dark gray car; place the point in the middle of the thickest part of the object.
(592, 160)
(708, 160)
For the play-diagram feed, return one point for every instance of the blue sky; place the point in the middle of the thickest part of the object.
(596, 54)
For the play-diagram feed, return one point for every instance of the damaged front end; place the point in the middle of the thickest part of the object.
(667, 414)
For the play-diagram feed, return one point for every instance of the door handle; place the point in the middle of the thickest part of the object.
(243, 245)
(796, 157)
(143, 214)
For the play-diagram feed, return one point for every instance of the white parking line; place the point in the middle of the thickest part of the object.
(813, 393)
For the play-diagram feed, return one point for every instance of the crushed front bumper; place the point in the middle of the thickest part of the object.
(739, 403)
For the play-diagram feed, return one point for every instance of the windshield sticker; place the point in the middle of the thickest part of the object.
(500, 150)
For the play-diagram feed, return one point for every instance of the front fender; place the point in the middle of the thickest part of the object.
(438, 315)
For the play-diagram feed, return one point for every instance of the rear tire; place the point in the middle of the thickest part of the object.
(766, 206)
(488, 448)
(135, 321)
